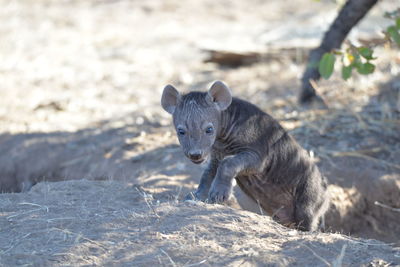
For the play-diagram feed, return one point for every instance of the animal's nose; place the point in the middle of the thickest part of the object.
(195, 155)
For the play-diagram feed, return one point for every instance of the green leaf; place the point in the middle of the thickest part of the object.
(326, 65)
(394, 34)
(366, 53)
(398, 23)
(366, 68)
(346, 72)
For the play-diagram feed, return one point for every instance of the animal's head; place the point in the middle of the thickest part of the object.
(196, 117)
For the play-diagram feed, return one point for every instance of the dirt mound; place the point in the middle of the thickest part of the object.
(148, 155)
(110, 223)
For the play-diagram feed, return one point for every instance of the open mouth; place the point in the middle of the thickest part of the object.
(198, 161)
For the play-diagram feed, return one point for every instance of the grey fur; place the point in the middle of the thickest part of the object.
(250, 146)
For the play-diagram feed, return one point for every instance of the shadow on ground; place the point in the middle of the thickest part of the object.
(357, 151)
(145, 154)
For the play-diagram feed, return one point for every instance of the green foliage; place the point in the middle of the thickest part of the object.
(359, 58)
(393, 31)
(326, 65)
(346, 72)
(366, 52)
(394, 34)
(365, 68)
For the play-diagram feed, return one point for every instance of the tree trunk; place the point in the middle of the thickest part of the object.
(351, 13)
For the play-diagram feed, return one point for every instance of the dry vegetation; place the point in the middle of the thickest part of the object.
(106, 223)
(79, 98)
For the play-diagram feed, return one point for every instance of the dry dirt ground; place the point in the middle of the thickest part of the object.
(79, 99)
(107, 223)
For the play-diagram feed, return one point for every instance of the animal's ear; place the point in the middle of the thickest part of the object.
(170, 99)
(220, 94)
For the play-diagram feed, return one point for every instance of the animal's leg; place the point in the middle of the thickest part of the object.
(206, 180)
(221, 188)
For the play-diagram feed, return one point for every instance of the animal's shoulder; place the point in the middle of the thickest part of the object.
(243, 105)
(243, 110)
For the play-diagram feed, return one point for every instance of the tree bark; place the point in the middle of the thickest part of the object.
(351, 13)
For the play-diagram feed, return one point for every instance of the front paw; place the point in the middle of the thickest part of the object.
(220, 193)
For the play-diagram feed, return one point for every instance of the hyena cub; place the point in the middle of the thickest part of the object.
(247, 144)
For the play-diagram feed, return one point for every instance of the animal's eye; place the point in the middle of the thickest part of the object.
(181, 132)
(209, 130)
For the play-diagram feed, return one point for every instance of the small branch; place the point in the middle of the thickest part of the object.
(65, 231)
(339, 260)
(36, 205)
(316, 255)
(386, 206)
(151, 207)
(170, 259)
(147, 198)
(196, 264)
(260, 208)
(22, 213)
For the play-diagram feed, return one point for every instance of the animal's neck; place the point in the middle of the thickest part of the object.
(227, 124)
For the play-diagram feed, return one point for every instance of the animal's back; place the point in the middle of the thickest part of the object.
(288, 178)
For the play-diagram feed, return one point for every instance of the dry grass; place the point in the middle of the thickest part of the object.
(113, 225)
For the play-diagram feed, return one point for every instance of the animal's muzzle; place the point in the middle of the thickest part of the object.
(196, 156)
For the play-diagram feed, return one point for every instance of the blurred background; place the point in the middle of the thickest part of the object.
(81, 81)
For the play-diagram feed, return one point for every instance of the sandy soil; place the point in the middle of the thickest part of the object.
(107, 223)
(79, 98)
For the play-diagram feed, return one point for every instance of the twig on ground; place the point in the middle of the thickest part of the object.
(33, 204)
(151, 207)
(146, 198)
(57, 219)
(367, 243)
(386, 206)
(23, 213)
(316, 255)
(339, 260)
(65, 231)
(15, 243)
(260, 208)
(28, 211)
(195, 264)
(170, 259)
(177, 195)
(276, 212)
